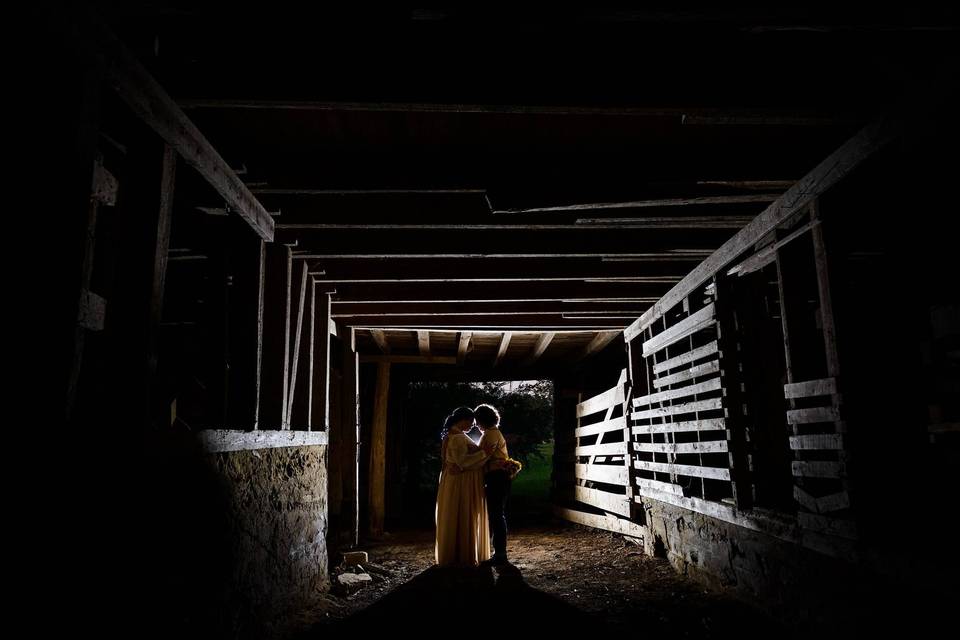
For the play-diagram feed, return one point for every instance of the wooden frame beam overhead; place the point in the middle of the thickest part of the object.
(437, 308)
(539, 348)
(831, 170)
(423, 342)
(151, 103)
(463, 346)
(502, 348)
(682, 115)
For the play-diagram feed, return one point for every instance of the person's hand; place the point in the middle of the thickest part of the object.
(489, 449)
(454, 468)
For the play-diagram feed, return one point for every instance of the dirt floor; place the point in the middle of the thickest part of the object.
(563, 577)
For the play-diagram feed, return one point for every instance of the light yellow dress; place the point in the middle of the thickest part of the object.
(463, 532)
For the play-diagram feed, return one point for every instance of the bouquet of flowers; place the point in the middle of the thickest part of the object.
(512, 467)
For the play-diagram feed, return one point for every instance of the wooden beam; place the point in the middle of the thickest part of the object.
(684, 115)
(381, 339)
(644, 204)
(275, 336)
(423, 341)
(759, 185)
(267, 191)
(148, 100)
(295, 355)
(504, 345)
(520, 270)
(542, 343)
(392, 359)
(319, 417)
(582, 224)
(599, 341)
(673, 222)
(378, 452)
(347, 309)
(831, 170)
(463, 346)
(167, 182)
(472, 322)
(606, 522)
(350, 415)
(676, 255)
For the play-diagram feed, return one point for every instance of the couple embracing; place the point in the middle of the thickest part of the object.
(474, 485)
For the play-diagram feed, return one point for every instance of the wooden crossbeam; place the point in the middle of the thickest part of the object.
(644, 204)
(463, 346)
(423, 342)
(542, 343)
(830, 171)
(151, 103)
(381, 339)
(502, 349)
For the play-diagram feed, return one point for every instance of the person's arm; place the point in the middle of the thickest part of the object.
(457, 453)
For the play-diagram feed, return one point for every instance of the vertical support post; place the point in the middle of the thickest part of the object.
(320, 361)
(730, 364)
(298, 405)
(275, 334)
(245, 282)
(351, 440)
(378, 451)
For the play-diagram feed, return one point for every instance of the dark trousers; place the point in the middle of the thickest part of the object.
(498, 488)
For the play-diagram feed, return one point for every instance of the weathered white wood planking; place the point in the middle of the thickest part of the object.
(705, 369)
(601, 427)
(810, 388)
(612, 502)
(707, 386)
(610, 474)
(677, 409)
(812, 415)
(689, 325)
(713, 424)
(686, 358)
(715, 473)
(825, 441)
(717, 446)
(605, 522)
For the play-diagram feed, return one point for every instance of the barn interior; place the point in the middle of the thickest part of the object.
(725, 238)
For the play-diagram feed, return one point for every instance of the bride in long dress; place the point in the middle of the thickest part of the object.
(463, 532)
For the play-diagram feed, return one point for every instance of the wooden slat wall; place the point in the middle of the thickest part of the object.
(601, 467)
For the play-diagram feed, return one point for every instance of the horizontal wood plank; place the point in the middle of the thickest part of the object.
(601, 402)
(678, 409)
(612, 502)
(825, 441)
(686, 358)
(717, 446)
(617, 424)
(714, 473)
(610, 474)
(689, 325)
(605, 522)
(646, 484)
(713, 424)
(714, 384)
(812, 415)
(607, 449)
(705, 369)
(810, 388)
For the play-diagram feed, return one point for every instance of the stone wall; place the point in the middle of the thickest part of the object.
(277, 512)
(813, 592)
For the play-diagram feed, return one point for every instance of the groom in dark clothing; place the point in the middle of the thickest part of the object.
(496, 479)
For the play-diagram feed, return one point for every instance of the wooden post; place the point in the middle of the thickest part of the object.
(298, 398)
(275, 331)
(145, 203)
(78, 210)
(351, 440)
(378, 451)
(319, 419)
(731, 360)
(245, 313)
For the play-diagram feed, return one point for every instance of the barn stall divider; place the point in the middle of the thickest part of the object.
(729, 408)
